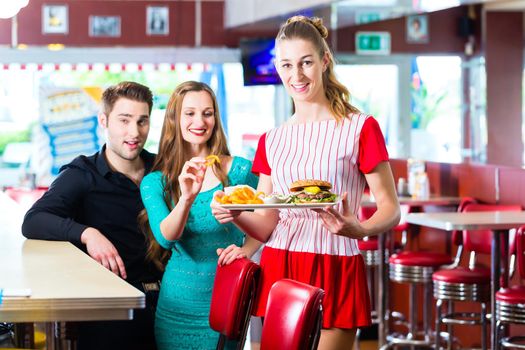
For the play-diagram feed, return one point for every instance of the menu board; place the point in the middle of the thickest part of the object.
(69, 119)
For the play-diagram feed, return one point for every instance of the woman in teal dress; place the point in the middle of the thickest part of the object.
(184, 238)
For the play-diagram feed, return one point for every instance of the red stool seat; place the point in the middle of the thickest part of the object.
(368, 245)
(430, 259)
(463, 275)
(512, 295)
(372, 244)
(401, 227)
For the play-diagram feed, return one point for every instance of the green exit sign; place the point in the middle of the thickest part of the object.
(363, 17)
(372, 43)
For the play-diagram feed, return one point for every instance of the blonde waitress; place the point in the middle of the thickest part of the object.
(328, 139)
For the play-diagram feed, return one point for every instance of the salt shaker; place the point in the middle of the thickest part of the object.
(424, 186)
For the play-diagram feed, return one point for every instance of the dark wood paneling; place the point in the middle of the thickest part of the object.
(444, 37)
(399, 168)
(5, 31)
(512, 185)
(443, 25)
(213, 33)
(478, 181)
(133, 24)
(504, 65)
(443, 177)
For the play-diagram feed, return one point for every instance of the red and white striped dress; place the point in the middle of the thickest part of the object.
(300, 247)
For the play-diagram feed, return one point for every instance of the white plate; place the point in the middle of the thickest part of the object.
(278, 206)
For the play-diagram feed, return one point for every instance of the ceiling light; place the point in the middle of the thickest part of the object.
(55, 47)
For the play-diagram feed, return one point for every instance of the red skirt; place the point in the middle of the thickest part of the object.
(343, 278)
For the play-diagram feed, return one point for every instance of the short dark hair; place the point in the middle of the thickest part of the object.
(126, 89)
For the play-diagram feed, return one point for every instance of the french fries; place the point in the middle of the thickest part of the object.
(212, 159)
(241, 195)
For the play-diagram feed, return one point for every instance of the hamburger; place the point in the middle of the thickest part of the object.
(311, 191)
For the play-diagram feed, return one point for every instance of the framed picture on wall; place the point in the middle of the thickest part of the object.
(417, 29)
(104, 26)
(157, 20)
(55, 19)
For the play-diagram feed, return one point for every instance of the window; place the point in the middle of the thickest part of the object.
(373, 90)
(435, 113)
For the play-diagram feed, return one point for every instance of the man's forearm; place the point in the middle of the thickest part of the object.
(47, 226)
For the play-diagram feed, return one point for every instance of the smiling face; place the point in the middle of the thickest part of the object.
(301, 69)
(197, 120)
(126, 128)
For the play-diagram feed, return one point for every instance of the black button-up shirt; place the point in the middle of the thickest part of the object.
(87, 193)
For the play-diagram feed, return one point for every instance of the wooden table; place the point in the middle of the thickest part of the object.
(382, 308)
(499, 222)
(65, 284)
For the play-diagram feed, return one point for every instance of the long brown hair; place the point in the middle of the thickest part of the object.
(173, 153)
(313, 31)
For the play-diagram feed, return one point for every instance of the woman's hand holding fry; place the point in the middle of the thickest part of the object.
(212, 159)
(191, 178)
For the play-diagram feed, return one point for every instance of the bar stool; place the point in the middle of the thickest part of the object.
(369, 249)
(416, 268)
(472, 284)
(510, 302)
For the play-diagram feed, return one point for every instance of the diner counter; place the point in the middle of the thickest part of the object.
(64, 284)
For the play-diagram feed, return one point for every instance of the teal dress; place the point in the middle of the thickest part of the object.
(181, 320)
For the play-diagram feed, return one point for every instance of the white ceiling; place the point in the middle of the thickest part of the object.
(268, 14)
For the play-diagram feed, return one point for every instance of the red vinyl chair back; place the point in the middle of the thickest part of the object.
(457, 236)
(520, 247)
(404, 210)
(480, 241)
(366, 212)
(293, 317)
(25, 196)
(234, 291)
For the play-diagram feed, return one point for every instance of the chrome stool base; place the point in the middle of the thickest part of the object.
(510, 313)
(413, 275)
(507, 312)
(420, 339)
(462, 318)
(461, 291)
(517, 342)
(371, 257)
(453, 292)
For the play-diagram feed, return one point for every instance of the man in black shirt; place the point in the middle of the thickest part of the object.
(94, 203)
